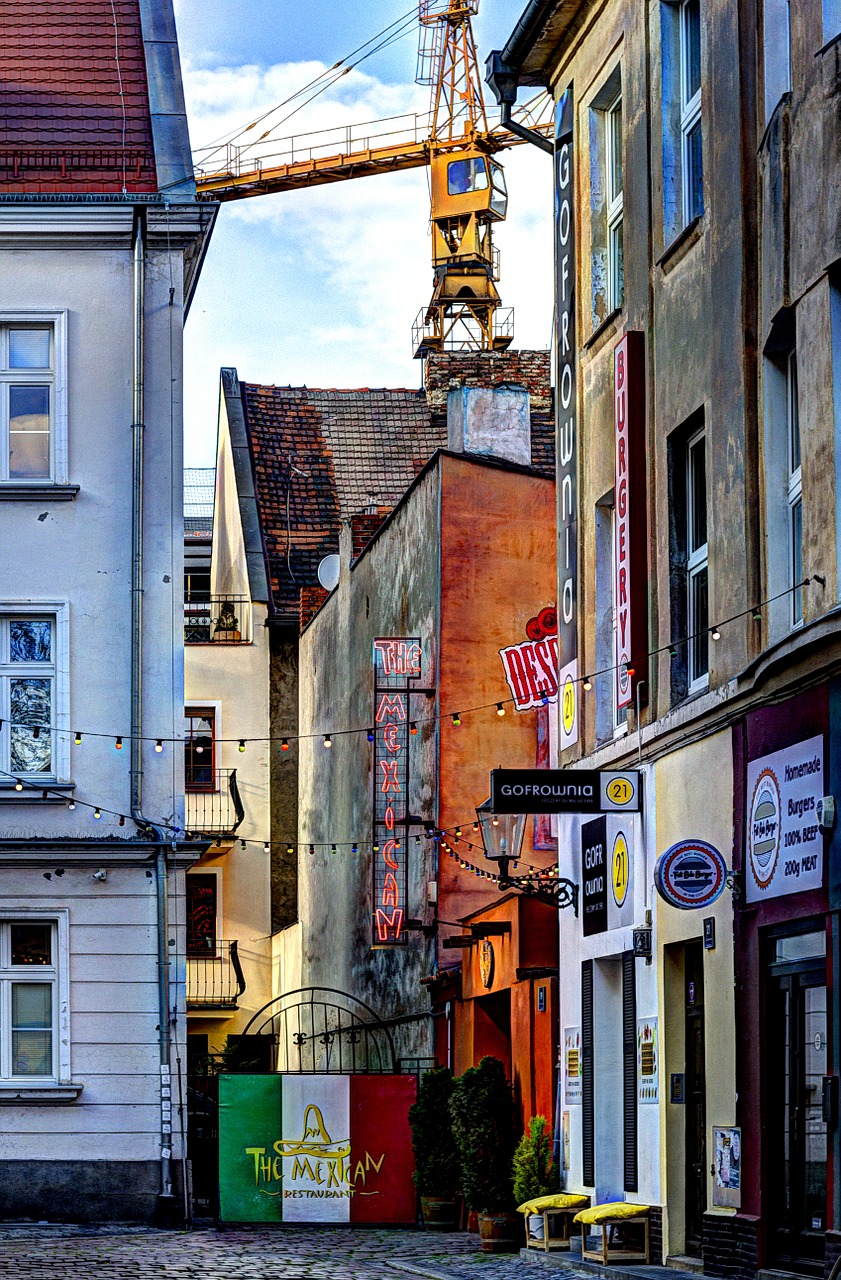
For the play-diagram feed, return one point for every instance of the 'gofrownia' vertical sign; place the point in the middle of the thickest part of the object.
(396, 664)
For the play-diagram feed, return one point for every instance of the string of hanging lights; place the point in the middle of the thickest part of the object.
(286, 740)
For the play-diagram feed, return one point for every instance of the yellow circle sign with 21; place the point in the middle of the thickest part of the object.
(620, 869)
(568, 706)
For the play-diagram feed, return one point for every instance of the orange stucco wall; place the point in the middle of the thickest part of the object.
(497, 571)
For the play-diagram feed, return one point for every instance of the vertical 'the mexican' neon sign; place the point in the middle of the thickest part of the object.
(397, 662)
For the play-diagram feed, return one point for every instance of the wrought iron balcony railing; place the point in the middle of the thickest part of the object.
(217, 620)
(214, 974)
(212, 803)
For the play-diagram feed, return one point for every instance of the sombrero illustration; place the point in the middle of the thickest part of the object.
(315, 1140)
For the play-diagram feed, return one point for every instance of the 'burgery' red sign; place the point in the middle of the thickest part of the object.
(531, 668)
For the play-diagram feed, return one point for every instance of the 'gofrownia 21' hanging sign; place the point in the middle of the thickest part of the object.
(690, 874)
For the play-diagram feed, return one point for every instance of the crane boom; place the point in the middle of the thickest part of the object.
(467, 185)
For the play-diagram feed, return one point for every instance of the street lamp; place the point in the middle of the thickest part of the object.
(502, 836)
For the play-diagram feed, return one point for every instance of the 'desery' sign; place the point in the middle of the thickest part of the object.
(397, 662)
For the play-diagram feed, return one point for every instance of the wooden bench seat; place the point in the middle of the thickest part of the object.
(612, 1219)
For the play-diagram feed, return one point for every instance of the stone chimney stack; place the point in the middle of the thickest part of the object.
(489, 400)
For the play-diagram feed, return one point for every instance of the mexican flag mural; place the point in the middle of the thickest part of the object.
(316, 1148)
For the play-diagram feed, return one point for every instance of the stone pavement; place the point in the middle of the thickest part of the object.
(44, 1252)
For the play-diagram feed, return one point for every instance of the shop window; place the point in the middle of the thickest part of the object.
(776, 17)
(607, 247)
(681, 79)
(689, 560)
(199, 749)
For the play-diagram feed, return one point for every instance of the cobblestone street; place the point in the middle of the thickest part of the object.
(294, 1253)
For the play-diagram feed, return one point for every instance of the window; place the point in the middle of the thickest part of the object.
(697, 569)
(33, 444)
(615, 245)
(683, 169)
(794, 489)
(201, 914)
(690, 109)
(607, 256)
(611, 720)
(199, 749)
(28, 999)
(831, 19)
(464, 176)
(27, 694)
(776, 18)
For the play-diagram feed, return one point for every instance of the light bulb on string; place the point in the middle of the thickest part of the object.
(118, 744)
(586, 684)
(36, 731)
(370, 735)
(328, 741)
(413, 728)
(71, 804)
(456, 719)
(267, 848)
(500, 709)
(242, 744)
(77, 738)
(354, 848)
(290, 848)
(715, 634)
(97, 813)
(159, 745)
(122, 822)
(18, 785)
(284, 744)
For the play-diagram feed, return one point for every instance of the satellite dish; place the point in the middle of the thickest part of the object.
(328, 572)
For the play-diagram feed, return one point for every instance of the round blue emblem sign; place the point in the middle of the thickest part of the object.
(690, 874)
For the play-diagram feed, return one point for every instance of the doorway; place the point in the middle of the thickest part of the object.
(796, 1056)
(696, 1099)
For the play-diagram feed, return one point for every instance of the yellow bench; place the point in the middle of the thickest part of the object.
(612, 1218)
(562, 1205)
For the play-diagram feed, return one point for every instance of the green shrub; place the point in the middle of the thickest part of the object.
(436, 1159)
(482, 1111)
(534, 1173)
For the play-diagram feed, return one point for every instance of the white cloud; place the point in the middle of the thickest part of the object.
(320, 286)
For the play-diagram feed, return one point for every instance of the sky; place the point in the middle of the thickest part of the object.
(320, 287)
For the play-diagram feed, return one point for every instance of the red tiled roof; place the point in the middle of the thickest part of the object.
(64, 124)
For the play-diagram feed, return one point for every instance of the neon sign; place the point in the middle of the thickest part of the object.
(396, 664)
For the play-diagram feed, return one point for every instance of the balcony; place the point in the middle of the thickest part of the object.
(212, 803)
(215, 980)
(217, 620)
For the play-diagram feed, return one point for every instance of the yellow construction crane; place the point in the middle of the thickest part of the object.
(467, 183)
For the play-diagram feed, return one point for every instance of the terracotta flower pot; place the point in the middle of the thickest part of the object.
(499, 1232)
(438, 1214)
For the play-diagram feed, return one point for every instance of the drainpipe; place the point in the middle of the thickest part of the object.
(503, 79)
(166, 1200)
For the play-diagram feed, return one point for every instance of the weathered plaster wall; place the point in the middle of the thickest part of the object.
(392, 590)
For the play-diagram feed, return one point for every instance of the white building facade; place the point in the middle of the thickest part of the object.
(99, 254)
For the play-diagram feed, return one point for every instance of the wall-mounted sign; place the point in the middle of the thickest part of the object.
(396, 664)
(648, 1062)
(629, 543)
(727, 1162)
(564, 791)
(316, 1148)
(531, 667)
(690, 874)
(620, 868)
(565, 413)
(572, 1066)
(783, 841)
(486, 962)
(594, 875)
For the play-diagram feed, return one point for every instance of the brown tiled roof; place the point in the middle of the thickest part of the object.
(65, 126)
(322, 457)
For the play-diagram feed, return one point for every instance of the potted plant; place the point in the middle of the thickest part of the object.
(482, 1111)
(534, 1172)
(436, 1159)
(227, 624)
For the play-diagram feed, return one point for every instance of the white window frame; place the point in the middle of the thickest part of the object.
(690, 114)
(697, 560)
(59, 453)
(794, 486)
(58, 973)
(614, 201)
(58, 611)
